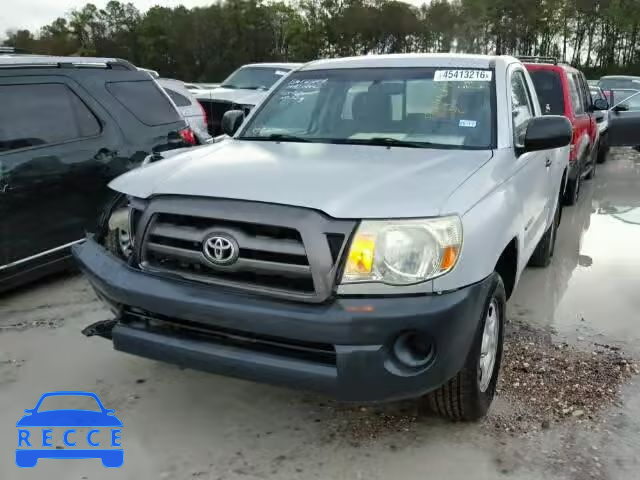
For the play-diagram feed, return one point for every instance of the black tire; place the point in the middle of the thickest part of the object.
(592, 171)
(461, 397)
(603, 150)
(543, 253)
(572, 192)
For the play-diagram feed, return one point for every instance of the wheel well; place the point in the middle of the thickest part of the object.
(507, 266)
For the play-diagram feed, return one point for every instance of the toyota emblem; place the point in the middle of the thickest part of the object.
(220, 249)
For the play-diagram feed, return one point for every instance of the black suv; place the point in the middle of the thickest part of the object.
(67, 127)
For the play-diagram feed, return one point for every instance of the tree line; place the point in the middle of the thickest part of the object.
(207, 43)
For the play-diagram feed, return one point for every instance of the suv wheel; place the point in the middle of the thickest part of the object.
(592, 171)
(469, 394)
(603, 150)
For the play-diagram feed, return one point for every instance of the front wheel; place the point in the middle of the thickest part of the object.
(469, 394)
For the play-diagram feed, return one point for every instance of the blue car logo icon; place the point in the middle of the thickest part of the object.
(35, 430)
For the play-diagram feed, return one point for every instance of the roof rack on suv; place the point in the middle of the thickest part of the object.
(537, 59)
(43, 61)
(5, 49)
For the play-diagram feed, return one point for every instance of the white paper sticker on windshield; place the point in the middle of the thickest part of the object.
(463, 76)
(467, 123)
(281, 72)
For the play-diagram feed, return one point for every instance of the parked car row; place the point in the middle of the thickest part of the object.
(243, 89)
(357, 234)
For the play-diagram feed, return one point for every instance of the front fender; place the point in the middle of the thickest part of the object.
(492, 213)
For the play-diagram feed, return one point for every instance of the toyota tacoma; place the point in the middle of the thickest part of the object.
(357, 235)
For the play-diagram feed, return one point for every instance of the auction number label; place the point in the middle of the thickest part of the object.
(463, 76)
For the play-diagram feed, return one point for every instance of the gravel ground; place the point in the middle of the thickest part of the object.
(547, 383)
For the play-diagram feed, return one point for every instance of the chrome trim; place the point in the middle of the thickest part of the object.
(41, 254)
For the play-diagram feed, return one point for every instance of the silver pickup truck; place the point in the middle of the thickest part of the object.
(358, 235)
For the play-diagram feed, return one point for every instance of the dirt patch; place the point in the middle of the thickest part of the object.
(24, 325)
(361, 423)
(543, 383)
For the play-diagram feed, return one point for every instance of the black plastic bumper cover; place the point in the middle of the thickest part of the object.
(361, 329)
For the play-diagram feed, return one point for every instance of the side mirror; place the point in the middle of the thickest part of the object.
(622, 107)
(231, 121)
(549, 131)
(600, 104)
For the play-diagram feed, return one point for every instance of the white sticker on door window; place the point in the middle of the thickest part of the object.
(463, 76)
(467, 123)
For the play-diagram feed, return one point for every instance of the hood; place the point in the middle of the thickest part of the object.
(235, 95)
(344, 181)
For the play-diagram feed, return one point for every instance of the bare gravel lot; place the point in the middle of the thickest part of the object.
(568, 405)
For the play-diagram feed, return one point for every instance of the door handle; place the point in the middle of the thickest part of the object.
(547, 163)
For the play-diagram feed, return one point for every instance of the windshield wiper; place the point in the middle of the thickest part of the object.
(229, 86)
(278, 137)
(395, 142)
(384, 141)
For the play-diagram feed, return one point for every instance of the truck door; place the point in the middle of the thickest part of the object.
(533, 172)
(624, 122)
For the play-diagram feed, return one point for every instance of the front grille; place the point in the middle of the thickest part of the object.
(215, 111)
(269, 256)
(281, 250)
(284, 347)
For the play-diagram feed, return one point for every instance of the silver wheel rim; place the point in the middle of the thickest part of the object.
(489, 349)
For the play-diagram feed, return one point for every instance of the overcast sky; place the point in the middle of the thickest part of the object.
(33, 14)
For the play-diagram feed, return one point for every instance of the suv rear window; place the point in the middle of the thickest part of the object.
(179, 99)
(145, 100)
(549, 89)
(39, 114)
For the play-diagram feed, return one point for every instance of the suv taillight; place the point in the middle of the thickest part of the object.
(573, 151)
(188, 136)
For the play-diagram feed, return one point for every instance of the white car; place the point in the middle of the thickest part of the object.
(358, 235)
(243, 89)
(188, 106)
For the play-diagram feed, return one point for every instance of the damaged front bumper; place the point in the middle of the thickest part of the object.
(345, 347)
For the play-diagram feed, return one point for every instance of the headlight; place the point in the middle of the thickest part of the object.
(402, 252)
(119, 234)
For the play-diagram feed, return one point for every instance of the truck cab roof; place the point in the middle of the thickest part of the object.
(415, 60)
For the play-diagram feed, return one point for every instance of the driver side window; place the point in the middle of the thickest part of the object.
(521, 107)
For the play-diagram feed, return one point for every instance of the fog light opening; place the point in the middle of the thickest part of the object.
(413, 349)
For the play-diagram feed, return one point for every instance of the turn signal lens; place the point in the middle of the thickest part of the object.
(361, 255)
(449, 258)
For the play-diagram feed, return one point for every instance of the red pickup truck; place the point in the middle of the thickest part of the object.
(563, 90)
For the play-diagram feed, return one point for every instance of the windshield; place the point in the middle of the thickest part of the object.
(414, 107)
(627, 96)
(254, 78)
(596, 93)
